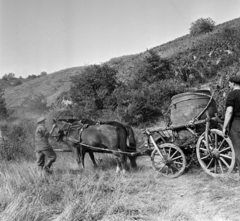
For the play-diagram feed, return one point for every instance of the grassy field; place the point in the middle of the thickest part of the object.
(100, 194)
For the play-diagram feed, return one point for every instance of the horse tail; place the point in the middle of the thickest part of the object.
(131, 138)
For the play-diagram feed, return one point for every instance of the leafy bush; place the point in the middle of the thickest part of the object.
(96, 93)
(17, 141)
(155, 69)
(43, 73)
(8, 77)
(91, 91)
(202, 25)
(148, 102)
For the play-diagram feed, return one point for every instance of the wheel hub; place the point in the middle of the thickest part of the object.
(215, 153)
(168, 163)
(166, 160)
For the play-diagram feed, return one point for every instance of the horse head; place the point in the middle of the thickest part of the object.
(59, 129)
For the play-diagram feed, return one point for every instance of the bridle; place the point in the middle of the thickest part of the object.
(65, 132)
(61, 132)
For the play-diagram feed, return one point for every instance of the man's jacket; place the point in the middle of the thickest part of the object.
(41, 138)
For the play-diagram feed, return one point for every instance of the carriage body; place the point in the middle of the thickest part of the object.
(195, 131)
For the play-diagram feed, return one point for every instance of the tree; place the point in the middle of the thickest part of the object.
(43, 73)
(142, 99)
(155, 69)
(202, 25)
(91, 91)
(31, 77)
(8, 77)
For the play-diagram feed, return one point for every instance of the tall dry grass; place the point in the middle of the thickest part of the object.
(99, 194)
(68, 194)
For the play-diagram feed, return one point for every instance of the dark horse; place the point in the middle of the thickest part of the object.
(131, 141)
(99, 138)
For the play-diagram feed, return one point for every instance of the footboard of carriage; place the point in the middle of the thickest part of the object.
(214, 152)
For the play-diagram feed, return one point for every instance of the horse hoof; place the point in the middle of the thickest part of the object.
(117, 170)
(134, 168)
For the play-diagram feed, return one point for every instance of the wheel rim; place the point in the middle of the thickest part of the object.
(221, 159)
(172, 163)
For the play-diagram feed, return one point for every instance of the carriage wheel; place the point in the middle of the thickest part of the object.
(172, 163)
(220, 162)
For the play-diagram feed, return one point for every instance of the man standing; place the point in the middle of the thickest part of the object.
(232, 115)
(42, 147)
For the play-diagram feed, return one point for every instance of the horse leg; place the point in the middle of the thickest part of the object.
(82, 152)
(77, 155)
(92, 158)
(133, 161)
(123, 163)
(118, 169)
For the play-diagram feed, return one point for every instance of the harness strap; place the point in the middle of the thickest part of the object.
(81, 129)
(97, 148)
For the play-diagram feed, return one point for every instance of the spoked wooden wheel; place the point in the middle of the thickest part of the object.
(221, 159)
(172, 163)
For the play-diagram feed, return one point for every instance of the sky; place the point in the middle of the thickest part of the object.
(51, 35)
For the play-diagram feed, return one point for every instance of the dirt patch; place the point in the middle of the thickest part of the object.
(196, 196)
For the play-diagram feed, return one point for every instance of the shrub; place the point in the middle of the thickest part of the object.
(202, 25)
(43, 73)
(230, 35)
(155, 69)
(8, 77)
(17, 142)
(91, 91)
(148, 102)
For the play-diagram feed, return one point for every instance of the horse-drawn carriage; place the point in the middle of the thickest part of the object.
(195, 131)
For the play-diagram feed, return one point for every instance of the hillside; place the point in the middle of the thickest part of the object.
(190, 55)
(50, 86)
(187, 51)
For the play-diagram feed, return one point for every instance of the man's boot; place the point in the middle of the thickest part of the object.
(47, 170)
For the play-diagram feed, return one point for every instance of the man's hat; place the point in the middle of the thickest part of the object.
(41, 119)
(235, 78)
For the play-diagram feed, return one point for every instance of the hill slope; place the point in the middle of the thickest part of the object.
(187, 52)
(50, 86)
